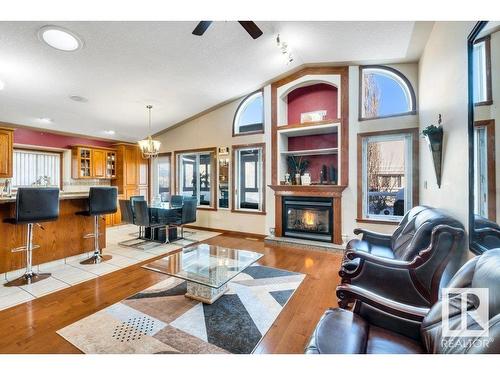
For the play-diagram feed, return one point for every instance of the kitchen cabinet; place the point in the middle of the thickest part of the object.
(6, 152)
(132, 172)
(92, 162)
(98, 163)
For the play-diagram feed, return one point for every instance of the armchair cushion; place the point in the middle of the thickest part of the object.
(343, 332)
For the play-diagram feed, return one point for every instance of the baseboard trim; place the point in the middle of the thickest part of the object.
(230, 232)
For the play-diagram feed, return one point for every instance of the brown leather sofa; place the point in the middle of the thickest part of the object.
(345, 332)
(425, 250)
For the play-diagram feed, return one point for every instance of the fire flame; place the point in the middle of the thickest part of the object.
(309, 218)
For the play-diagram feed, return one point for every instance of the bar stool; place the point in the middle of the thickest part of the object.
(33, 206)
(102, 201)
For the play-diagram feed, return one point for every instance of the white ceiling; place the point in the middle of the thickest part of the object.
(126, 65)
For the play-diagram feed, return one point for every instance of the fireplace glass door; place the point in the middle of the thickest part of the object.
(308, 218)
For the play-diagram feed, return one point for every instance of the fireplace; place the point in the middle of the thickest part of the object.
(309, 218)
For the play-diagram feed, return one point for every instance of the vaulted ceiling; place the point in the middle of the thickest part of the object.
(124, 66)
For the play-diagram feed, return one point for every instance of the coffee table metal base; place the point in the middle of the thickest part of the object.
(204, 293)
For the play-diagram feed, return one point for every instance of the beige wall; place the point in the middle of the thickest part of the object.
(214, 129)
(443, 89)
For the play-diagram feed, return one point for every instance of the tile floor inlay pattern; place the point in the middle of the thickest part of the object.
(161, 319)
(68, 272)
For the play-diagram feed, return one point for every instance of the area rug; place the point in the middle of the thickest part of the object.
(161, 319)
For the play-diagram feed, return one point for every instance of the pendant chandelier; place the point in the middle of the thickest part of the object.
(149, 147)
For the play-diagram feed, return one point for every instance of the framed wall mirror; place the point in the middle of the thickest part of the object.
(484, 136)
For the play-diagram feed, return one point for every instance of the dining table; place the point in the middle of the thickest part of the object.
(163, 216)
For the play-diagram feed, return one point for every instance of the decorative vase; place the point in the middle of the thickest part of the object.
(297, 178)
(305, 179)
(435, 142)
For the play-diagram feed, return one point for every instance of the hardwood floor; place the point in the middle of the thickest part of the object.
(31, 327)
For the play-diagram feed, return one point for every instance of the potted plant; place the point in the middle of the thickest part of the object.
(434, 136)
(297, 166)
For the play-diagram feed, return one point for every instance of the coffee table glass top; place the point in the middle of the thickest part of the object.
(205, 264)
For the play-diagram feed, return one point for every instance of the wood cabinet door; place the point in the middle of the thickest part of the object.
(6, 152)
(130, 192)
(143, 169)
(130, 156)
(98, 163)
(143, 190)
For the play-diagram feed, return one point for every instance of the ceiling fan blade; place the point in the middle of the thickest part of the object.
(201, 28)
(251, 28)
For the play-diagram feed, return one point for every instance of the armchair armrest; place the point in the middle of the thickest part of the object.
(394, 263)
(402, 310)
(374, 237)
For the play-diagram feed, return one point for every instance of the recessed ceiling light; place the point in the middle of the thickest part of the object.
(109, 132)
(78, 98)
(60, 38)
(45, 120)
(2, 85)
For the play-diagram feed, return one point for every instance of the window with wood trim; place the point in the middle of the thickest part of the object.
(481, 82)
(160, 177)
(36, 167)
(384, 92)
(248, 178)
(195, 177)
(388, 172)
(249, 117)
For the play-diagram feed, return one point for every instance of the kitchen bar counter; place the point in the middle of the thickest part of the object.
(62, 196)
(58, 240)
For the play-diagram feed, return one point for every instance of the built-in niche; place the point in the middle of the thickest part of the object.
(308, 142)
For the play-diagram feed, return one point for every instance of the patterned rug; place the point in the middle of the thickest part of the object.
(161, 320)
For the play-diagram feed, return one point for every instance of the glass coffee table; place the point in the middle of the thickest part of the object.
(206, 268)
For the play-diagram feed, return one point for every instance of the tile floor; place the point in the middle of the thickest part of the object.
(69, 271)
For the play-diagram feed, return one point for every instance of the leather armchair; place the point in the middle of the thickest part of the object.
(353, 332)
(419, 257)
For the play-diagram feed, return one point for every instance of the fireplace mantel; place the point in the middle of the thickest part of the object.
(333, 191)
(309, 190)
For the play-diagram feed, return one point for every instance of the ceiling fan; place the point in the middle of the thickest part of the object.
(250, 27)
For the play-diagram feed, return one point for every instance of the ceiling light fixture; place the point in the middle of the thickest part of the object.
(46, 120)
(78, 98)
(149, 147)
(2, 85)
(60, 38)
(285, 50)
(109, 132)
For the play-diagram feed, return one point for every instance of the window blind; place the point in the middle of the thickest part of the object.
(30, 165)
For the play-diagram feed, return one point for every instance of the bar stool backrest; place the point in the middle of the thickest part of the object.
(103, 200)
(35, 205)
(142, 213)
(126, 210)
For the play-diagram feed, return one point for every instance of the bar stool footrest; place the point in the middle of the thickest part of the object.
(24, 248)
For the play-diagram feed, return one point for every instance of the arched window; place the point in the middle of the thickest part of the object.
(384, 92)
(249, 117)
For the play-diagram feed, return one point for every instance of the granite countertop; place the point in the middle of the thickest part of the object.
(62, 196)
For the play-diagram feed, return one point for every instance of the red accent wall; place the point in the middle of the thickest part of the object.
(312, 98)
(312, 142)
(47, 139)
(316, 162)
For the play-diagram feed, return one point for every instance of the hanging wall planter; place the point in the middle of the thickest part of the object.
(434, 136)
